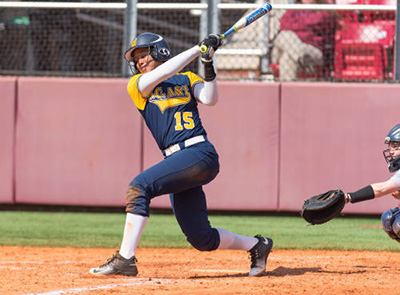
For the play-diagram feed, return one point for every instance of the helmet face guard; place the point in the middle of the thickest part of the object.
(393, 141)
(393, 163)
(158, 49)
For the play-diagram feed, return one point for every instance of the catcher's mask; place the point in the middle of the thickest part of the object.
(158, 48)
(393, 142)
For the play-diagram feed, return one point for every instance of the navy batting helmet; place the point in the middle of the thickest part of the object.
(393, 140)
(157, 45)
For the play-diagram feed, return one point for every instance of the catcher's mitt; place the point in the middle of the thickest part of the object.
(323, 207)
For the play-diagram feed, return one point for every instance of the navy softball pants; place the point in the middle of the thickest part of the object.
(181, 175)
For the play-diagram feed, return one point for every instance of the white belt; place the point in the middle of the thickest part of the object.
(179, 146)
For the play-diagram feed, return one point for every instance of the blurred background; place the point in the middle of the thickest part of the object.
(353, 40)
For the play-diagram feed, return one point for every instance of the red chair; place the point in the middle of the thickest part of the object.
(357, 60)
(372, 16)
(365, 50)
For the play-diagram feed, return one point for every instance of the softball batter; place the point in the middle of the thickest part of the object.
(167, 100)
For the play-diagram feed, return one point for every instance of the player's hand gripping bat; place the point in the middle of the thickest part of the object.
(244, 22)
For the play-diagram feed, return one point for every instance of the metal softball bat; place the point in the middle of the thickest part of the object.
(244, 22)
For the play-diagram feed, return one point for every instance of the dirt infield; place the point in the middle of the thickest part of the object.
(54, 271)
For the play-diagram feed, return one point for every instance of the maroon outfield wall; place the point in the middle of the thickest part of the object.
(80, 142)
(7, 120)
(332, 137)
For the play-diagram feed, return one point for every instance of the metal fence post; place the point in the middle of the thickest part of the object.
(214, 16)
(130, 31)
(264, 58)
(203, 28)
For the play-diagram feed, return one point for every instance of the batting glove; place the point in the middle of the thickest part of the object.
(209, 45)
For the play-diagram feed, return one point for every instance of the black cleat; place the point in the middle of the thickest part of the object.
(117, 265)
(259, 255)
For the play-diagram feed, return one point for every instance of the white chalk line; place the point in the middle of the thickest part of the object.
(16, 267)
(43, 262)
(33, 264)
(136, 282)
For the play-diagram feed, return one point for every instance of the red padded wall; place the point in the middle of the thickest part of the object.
(332, 137)
(78, 141)
(7, 120)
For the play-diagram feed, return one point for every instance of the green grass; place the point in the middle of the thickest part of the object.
(65, 229)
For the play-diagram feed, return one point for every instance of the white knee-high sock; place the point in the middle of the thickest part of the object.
(134, 226)
(230, 240)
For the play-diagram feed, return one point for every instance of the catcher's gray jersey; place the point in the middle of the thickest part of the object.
(396, 178)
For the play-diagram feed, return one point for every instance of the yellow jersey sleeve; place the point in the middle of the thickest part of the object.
(194, 79)
(136, 96)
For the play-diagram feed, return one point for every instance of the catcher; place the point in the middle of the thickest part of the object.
(323, 207)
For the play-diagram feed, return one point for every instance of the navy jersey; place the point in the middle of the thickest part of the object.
(170, 111)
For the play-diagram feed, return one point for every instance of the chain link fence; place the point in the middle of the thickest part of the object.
(293, 42)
